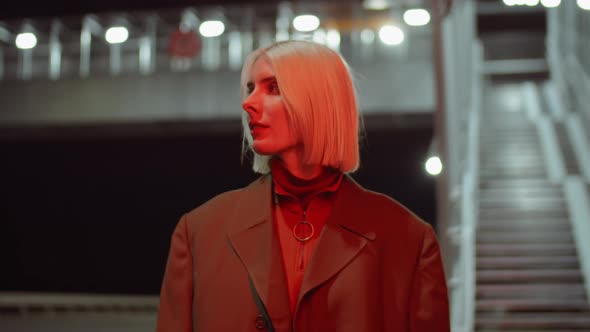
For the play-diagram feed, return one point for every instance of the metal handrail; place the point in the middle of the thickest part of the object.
(33, 302)
(460, 194)
(470, 201)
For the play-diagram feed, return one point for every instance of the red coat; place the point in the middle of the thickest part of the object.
(376, 267)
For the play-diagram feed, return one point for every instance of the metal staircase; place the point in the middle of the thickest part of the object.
(528, 276)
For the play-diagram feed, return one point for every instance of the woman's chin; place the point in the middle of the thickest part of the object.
(263, 150)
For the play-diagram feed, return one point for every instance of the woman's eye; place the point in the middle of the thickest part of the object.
(249, 88)
(274, 88)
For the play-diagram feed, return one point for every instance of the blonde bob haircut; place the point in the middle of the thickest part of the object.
(318, 94)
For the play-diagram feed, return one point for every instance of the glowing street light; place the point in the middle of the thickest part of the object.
(116, 35)
(433, 165)
(550, 3)
(333, 39)
(584, 4)
(416, 17)
(376, 4)
(510, 2)
(391, 35)
(26, 40)
(520, 2)
(211, 28)
(367, 36)
(306, 23)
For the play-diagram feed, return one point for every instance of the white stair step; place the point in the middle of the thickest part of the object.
(510, 262)
(536, 236)
(532, 291)
(533, 305)
(526, 249)
(518, 183)
(522, 214)
(526, 204)
(525, 276)
(498, 194)
(546, 321)
(524, 226)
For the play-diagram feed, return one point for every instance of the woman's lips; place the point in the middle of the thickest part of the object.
(256, 130)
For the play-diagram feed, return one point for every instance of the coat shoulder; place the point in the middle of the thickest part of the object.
(397, 228)
(215, 205)
(217, 209)
(393, 213)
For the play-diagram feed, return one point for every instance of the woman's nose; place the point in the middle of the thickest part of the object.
(250, 105)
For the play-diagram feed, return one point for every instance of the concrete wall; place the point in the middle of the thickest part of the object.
(385, 85)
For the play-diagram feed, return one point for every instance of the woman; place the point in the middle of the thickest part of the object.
(304, 247)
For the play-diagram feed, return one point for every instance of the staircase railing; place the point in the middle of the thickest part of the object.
(459, 69)
(568, 50)
(462, 280)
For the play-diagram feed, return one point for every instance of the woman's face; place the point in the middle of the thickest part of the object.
(267, 117)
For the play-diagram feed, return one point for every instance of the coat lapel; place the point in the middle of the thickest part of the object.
(344, 235)
(253, 238)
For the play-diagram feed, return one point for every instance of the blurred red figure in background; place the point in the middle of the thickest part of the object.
(304, 247)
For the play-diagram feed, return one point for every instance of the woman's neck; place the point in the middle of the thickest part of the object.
(292, 161)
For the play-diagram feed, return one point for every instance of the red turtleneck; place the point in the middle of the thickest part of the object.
(296, 199)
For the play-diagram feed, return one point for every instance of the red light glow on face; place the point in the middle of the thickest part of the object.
(267, 115)
(257, 132)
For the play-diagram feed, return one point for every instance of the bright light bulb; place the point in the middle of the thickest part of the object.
(333, 39)
(306, 23)
(391, 35)
(531, 3)
(516, 2)
(116, 35)
(584, 4)
(550, 3)
(376, 4)
(433, 166)
(416, 17)
(26, 40)
(319, 36)
(367, 36)
(211, 28)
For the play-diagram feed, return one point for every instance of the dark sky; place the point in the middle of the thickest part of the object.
(41, 8)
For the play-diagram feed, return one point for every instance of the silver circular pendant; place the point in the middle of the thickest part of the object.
(303, 231)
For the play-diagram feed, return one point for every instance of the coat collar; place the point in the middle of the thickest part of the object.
(254, 240)
(254, 207)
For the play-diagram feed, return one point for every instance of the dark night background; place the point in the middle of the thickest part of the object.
(92, 209)
(39, 8)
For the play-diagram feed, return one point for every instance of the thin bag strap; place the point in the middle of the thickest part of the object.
(260, 306)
